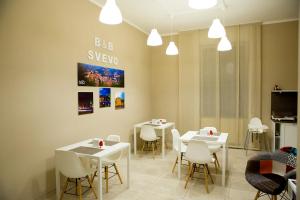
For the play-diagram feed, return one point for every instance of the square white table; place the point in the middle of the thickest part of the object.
(220, 140)
(162, 127)
(108, 150)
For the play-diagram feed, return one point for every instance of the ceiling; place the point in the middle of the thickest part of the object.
(145, 14)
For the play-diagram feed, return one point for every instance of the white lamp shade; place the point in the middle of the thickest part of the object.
(216, 30)
(172, 49)
(154, 39)
(202, 4)
(110, 13)
(224, 44)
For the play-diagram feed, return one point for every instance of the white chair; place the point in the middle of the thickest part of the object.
(73, 167)
(213, 148)
(255, 126)
(148, 135)
(197, 153)
(183, 147)
(111, 161)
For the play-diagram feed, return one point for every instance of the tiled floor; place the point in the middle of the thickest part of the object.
(152, 179)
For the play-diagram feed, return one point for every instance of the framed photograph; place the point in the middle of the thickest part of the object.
(119, 100)
(98, 76)
(104, 97)
(85, 103)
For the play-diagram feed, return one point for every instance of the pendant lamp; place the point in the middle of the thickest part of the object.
(172, 49)
(224, 44)
(110, 13)
(216, 30)
(202, 4)
(154, 39)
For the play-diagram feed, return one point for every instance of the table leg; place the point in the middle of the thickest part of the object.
(134, 140)
(163, 144)
(100, 197)
(224, 158)
(128, 167)
(57, 174)
(179, 158)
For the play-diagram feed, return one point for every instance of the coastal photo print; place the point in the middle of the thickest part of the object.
(104, 97)
(85, 103)
(98, 76)
(119, 100)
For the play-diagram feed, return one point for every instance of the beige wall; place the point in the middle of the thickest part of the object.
(279, 61)
(41, 43)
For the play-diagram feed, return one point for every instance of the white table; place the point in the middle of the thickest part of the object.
(162, 127)
(108, 150)
(220, 140)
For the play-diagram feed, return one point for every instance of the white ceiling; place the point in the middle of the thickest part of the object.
(145, 14)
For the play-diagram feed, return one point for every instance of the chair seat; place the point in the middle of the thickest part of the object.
(272, 184)
(94, 162)
(214, 148)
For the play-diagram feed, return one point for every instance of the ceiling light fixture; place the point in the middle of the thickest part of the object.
(216, 30)
(172, 49)
(202, 4)
(154, 39)
(110, 13)
(224, 44)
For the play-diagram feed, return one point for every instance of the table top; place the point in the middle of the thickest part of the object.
(220, 139)
(162, 126)
(103, 152)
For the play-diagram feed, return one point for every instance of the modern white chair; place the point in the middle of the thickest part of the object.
(255, 126)
(176, 137)
(197, 153)
(148, 135)
(111, 161)
(213, 148)
(73, 167)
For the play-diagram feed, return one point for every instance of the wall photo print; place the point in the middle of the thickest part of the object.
(85, 103)
(98, 76)
(104, 97)
(119, 100)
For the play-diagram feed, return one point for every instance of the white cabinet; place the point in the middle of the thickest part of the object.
(284, 134)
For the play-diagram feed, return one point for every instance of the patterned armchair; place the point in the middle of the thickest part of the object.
(268, 172)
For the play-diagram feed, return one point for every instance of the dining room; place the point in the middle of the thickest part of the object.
(163, 99)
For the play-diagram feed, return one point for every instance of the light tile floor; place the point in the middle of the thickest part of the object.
(152, 179)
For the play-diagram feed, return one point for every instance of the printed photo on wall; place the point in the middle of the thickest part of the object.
(119, 100)
(97, 76)
(104, 97)
(85, 103)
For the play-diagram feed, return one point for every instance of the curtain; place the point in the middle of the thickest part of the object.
(220, 89)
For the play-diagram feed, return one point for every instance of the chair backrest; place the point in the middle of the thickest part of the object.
(255, 122)
(176, 137)
(115, 138)
(70, 165)
(148, 133)
(198, 152)
(116, 156)
(210, 128)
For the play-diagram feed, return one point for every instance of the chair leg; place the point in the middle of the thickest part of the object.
(217, 160)
(117, 171)
(257, 195)
(188, 176)
(206, 165)
(94, 175)
(153, 151)
(106, 177)
(175, 164)
(65, 189)
(91, 186)
(79, 189)
(274, 197)
(206, 179)
(143, 146)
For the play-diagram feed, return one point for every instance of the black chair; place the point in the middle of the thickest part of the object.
(269, 172)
